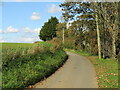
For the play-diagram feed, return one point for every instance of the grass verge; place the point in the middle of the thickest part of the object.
(106, 70)
(32, 67)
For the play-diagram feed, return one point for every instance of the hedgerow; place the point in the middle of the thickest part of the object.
(39, 62)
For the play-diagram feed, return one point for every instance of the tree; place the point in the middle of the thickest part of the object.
(84, 21)
(108, 22)
(98, 31)
(48, 30)
(60, 27)
(94, 18)
(64, 26)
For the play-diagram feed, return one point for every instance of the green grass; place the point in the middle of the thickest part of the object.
(78, 52)
(107, 73)
(106, 70)
(37, 62)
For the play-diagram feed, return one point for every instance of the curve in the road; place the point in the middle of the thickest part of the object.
(77, 72)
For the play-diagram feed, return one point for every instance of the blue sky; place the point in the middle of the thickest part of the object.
(22, 21)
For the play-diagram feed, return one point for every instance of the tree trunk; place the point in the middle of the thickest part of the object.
(98, 38)
(115, 31)
(113, 45)
(105, 54)
(98, 32)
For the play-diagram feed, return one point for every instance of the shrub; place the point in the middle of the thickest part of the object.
(32, 67)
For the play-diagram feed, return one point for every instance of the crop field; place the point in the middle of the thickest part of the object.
(24, 64)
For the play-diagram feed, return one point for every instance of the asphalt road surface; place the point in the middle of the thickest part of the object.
(77, 72)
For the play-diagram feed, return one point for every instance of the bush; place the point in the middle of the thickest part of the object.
(32, 67)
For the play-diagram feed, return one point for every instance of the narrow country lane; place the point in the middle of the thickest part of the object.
(77, 72)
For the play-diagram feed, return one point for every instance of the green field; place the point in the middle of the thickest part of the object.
(25, 64)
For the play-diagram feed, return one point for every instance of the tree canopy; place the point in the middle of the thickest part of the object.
(48, 30)
(95, 26)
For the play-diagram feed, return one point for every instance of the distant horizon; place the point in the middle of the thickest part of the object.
(22, 42)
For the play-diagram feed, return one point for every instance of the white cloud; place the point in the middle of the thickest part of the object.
(35, 16)
(32, 35)
(54, 9)
(27, 35)
(10, 29)
(27, 29)
(36, 30)
(28, 39)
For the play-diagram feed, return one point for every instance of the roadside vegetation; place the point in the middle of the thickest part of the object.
(107, 72)
(26, 64)
(106, 69)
